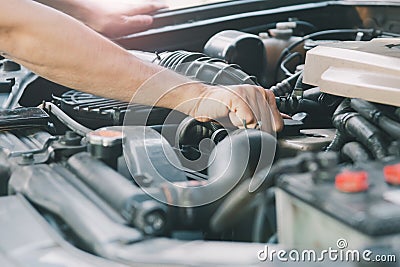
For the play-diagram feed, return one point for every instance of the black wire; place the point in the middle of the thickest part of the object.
(328, 32)
(306, 24)
(286, 60)
(287, 50)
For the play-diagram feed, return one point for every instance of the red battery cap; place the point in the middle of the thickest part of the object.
(352, 181)
(392, 174)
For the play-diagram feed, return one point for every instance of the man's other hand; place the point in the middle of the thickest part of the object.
(115, 18)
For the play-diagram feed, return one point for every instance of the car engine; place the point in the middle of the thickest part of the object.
(90, 181)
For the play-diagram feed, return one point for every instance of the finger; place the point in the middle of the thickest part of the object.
(145, 8)
(241, 113)
(266, 122)
(278, 121)
(285, 116)
(262, 111)
(226, 123)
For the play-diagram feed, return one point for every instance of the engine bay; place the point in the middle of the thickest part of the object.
(90, 181)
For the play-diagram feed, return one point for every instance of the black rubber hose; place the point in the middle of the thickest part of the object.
(293, 105)
(240, 198)
(372, 113)
(228, 213)
(299, 85)
(341, 137)
(390, 126)
(351, 123)
(397, 113)
(312, 94)
(338, 141)
(364, 131)
(356, 152)
(121, 194)
(311, 107)
(285, 87)
(343, 108)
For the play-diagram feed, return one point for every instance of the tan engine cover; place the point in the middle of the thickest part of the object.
(368, 70)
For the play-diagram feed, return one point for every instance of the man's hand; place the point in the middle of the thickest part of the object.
(115, 18)
(242, 104)
(112, 18)
(232, 106)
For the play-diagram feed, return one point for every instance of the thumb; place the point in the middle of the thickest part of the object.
(146, 8)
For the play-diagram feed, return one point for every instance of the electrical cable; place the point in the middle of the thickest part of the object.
(287, 50)
(287, 60)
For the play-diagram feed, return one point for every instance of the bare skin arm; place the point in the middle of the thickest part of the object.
(63, 50)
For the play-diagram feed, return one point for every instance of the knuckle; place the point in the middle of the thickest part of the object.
(269, 93)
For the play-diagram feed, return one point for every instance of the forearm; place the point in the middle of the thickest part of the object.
(63, 50)
(79, 9)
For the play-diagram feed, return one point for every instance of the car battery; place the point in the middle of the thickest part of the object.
(358, 204)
